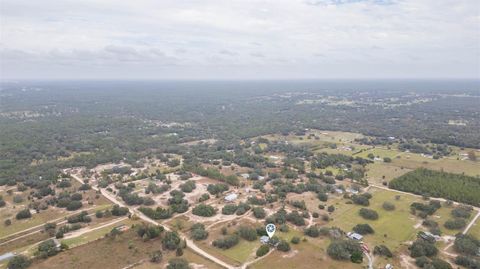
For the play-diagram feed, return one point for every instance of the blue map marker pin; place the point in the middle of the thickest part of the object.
(270, 229)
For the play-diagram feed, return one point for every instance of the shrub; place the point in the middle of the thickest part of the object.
(149, 231)
(171, 241)
(440, 264)
(382, 250)
(388, 206)
(23, 214)
(178, 263)
(247, 233)
(242, 208)
(262, 250)
(19, 262)
(360, 200)
(322, 196)
(188, 186)
(74, 205)
(356, 257)
(17, 199)
(76, 196)
(466, 244)
(312, 231)
(259, 212)
(99, 214)
(204, 197)
(295, 218)
(342, 249)
(283, 246)
(368, 214)
(214, 189)
(226, 242)
(295, 240)
(363, 229)
(198, 232)
(156, 256)
(204, 210)
(229, 209)
(455, 224)
(84, 187)
(46, 249)
(148, 201)
(422, 248)
(81, 217)
(461, 213)
(467, 262)
(119, 211)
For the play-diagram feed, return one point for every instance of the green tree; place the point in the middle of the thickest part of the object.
(19, 262)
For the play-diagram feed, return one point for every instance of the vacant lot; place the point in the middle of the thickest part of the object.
(237, 254)
(379, 172)
(392, 228)
(107, 253)
(475, 230)
(306, 255)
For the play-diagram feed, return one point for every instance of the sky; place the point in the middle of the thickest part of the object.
(244, 39)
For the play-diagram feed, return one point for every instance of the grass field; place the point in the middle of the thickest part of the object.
(24, 242)
(235, 255)
(36, 219)
(379, 152)
(475, 230)
(392, 228)
(443, 214)
(378, 172)
(305, 255)
(96, 234)
(108, 253)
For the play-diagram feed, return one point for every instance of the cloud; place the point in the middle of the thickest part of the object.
(245, 38)
(345, 2)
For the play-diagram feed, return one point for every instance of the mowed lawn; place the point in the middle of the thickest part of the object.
(475, 230)
(445, 213)
(392, 227)
(96, 234)
(243, 250)
(379, 152)
(379, 171)
(447, 164)
(37, 219)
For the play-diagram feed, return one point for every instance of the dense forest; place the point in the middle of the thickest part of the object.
(450, 186)
(45, 126)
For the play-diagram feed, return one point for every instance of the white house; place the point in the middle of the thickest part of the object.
(264, 239)
(354, 236)
(352, 191)
(231, 197)
(245, 176)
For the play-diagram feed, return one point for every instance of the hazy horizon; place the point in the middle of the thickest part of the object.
(247, 40)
